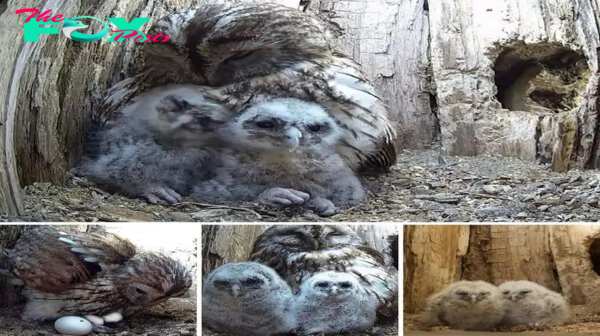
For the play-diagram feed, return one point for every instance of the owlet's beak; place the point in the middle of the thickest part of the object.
(292, 138)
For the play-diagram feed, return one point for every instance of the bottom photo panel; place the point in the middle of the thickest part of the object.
(114, 279)
(501, 279)
(260, 280)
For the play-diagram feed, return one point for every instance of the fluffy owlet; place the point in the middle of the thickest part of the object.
(147, 151)
(247, 299)
(246, 53)
(97, 275)
(466, 305)
(297, 252)
(532, 304)
(282, 152)
(332, 303)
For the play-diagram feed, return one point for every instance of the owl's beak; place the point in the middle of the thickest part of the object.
(513, 297)
(292, 138)
(235, 290)
(473, 298)
(334, 289)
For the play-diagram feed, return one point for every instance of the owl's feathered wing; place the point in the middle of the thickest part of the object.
(49, 260)
(323, 76)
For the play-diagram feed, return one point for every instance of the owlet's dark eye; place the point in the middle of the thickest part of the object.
(239, 55)
(314, 127)
(461, 293)
(322, 284)
(345, 285)
(251, 281)
(505, 292)
(265, 124)
(139, 291)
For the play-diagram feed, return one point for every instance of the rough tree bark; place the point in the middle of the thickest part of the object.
(432, 260)
(8, 237)
(506, 72)
(223, 244)
(563, 258)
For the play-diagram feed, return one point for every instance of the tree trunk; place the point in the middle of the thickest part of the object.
(390, 39)
(432, 260)
(508, 74)
(8, 237)
(576, 254)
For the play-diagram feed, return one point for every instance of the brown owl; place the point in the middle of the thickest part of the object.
(247, 53)
(298, 252)
(96, 274)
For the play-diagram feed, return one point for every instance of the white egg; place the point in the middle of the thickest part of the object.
(73, 325)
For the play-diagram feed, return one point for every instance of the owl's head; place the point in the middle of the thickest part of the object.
(304, 238)
(520, 290)
(473, 292)
(179, 113)
(242, 279)
(151, 278)
(333, 285)
(228, 43)
(282, 125)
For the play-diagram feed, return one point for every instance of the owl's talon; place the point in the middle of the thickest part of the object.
(283, 196)
(323, 206)
(162, 195)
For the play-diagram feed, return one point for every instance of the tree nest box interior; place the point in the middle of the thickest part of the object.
(543, 77)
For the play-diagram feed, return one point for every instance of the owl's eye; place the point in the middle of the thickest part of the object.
(484, 293)
(322, 284)
(251, 281)
(462, 293)
(345, 285)
(204, 121)
(505, 292)
(221, 283)
(265, 124)
(527, 291)
(139, 291)
(239, 55)
(314, 127)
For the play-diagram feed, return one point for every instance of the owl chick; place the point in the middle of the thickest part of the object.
(297, 252)
(247, 299)
(282, 152)
(253, 52)
(466, 305)
(99, 276)
(334, 302)
(533, 304)
(159, 145)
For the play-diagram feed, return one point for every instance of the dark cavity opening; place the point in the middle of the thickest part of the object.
(595, 255)
(542, 77)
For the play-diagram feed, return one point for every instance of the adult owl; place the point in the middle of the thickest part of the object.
(247, 53)
(95, 274)
(297, 252)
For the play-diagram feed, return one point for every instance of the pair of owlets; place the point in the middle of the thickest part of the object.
(277, 116)
(277, 152)
(94, 274)
(479, 305)
(311, 279)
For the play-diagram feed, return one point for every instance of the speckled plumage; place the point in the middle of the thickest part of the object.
(466, 305)
(95, 274)
(247, 53)
(282, 152)
(532, 304)
(247, 299)
(334, 302)
(159, 146)
(298, 252)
